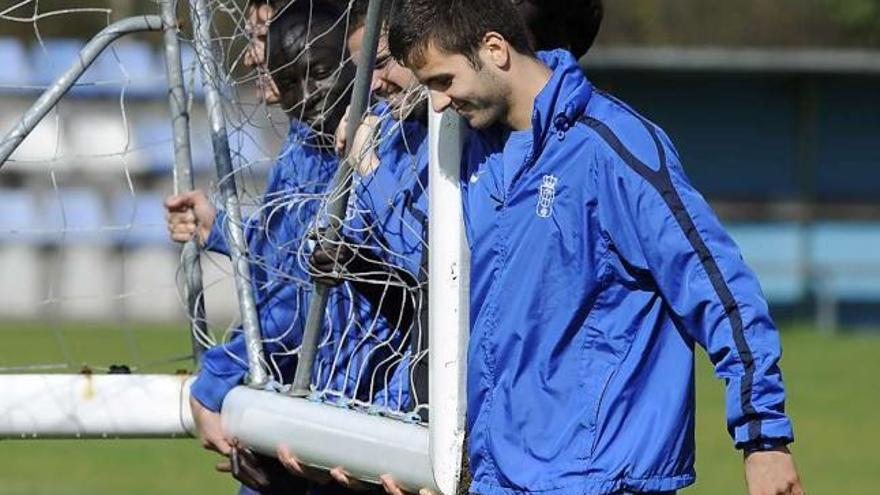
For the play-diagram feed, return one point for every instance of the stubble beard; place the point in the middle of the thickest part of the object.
(493, 106)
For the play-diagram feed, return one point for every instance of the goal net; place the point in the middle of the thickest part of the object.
(95, 290)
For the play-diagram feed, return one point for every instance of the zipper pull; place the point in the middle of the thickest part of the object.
(562, 126)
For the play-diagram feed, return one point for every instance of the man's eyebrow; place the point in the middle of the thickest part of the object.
(382, 59)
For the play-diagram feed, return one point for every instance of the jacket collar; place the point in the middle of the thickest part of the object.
(563, 99)
(302, 134)
(557, 107)
(559, 104)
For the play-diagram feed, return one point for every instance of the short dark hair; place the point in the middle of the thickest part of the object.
(454, 26)
(357, 14)
(275, 4)
(569, 24)
(287, 32)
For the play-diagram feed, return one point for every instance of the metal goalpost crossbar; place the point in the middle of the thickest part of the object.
(260, 414)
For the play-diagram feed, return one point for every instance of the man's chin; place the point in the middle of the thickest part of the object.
(475, 121)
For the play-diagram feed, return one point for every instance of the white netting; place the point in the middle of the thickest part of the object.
(88, 274)
(374, 329)
(88, 271)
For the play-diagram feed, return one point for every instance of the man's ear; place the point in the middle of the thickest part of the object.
(496, 50)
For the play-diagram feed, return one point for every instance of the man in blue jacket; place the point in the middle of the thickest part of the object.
(596, 267)
(391, 206)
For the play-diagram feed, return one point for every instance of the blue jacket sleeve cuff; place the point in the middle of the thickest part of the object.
(216, 241)
(774, 433)
(210, 390)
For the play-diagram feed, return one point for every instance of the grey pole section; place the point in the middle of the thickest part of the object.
(336, 209)
(60, 87)
(257, 375)
(183, 176)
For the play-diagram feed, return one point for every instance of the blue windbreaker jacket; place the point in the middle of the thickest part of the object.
(596, 266)
(390, 217)
(392, 214)
(277, 241)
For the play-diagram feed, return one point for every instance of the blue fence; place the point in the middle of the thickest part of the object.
(135, 65)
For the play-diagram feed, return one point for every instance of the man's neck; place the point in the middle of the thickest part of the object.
(529, 81)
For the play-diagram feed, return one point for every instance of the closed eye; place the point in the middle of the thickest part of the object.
(321, 71)
(439, 83)
(382, 61)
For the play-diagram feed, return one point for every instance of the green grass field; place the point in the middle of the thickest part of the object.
(832, 387)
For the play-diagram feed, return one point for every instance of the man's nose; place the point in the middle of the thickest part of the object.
(439, 101)
(376, 83)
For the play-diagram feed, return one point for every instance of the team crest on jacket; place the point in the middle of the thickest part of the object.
(546, 196)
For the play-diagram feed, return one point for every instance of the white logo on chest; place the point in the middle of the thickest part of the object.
(546, 196)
